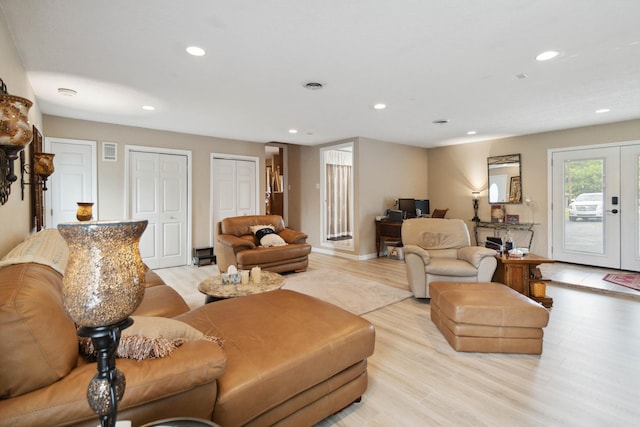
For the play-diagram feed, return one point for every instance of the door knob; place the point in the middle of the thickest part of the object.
(615, 211)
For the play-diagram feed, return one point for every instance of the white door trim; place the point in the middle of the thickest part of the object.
(94, 171)
(259, 190)
(127, 194)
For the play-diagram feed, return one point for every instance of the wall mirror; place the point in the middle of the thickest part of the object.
(505, 185)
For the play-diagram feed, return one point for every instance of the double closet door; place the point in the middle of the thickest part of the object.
(601, 228)
(158, 193)
(234, 188)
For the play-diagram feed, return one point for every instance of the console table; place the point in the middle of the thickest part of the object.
(387, 230)
(504, 227)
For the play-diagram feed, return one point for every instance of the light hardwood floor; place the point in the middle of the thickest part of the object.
(588, 374)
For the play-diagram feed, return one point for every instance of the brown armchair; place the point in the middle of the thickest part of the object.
(237, 245)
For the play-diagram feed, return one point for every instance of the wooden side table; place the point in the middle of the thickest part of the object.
(517, 273)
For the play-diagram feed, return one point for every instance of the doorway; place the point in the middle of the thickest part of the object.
(595, 206)
(158, 189)
(75, 179)
(337, 196)
(234, 184)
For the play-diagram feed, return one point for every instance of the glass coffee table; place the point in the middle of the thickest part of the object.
(214, 290)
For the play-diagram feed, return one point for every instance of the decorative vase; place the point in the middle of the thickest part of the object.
(85, 211)
(104, 279)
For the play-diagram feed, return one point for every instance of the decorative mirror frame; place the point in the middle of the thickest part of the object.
(512, 182)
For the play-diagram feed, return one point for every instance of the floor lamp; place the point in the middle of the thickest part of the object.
(102, 285)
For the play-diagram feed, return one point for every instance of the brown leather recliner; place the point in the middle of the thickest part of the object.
(237, 245)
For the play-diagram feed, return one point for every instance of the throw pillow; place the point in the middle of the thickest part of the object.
(267, 236)
(151, 337)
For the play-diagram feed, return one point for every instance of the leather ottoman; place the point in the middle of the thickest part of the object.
(487, 317)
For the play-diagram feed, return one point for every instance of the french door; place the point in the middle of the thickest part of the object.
(595, 206)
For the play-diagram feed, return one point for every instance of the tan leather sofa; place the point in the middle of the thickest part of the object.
(440, 250)
(237, 245)
(287, 358)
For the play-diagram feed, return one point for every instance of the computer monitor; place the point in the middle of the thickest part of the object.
(423, 205)
(408, 207)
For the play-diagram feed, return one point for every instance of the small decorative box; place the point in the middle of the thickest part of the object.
(231, 278)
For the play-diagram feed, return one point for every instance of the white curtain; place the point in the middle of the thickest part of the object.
(338, 191)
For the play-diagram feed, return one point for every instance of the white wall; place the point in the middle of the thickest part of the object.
(16, 212)
(455, 171)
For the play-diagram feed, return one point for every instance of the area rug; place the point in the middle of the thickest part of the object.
(629, 280)
(352, 293)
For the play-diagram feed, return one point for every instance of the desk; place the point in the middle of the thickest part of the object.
(505, 227)
(387, 230)
(517, 273)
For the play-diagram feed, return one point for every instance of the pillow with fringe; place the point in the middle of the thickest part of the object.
(150, 337)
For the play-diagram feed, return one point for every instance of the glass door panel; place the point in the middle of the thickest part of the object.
(585, 229)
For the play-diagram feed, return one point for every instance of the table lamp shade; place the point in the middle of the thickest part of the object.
(104, 279)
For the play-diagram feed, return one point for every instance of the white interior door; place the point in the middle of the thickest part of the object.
(234, 183)
(586, 217)
(630, 207)
(74, 180)
(245, 188)
(158, 191)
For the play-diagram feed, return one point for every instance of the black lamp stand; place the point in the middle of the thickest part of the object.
(107, 387)
(475, 211)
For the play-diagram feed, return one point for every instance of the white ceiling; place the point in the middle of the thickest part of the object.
(426, 59)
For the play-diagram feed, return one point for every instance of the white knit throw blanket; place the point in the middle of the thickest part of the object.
(45, 247)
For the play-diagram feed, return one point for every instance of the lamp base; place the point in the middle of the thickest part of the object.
(475, 211)
(107, 387)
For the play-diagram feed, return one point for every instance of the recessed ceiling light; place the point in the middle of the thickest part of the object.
(471, 132)
(545, 56)
(380, 106)
(293, 130)
(148, 107)
(195, 51)
(66, 91)
(440, 122)
(603, 110)
(313, 86)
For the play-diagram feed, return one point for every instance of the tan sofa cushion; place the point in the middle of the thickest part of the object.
(39, 342)
(435, 233)
(241, 225)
